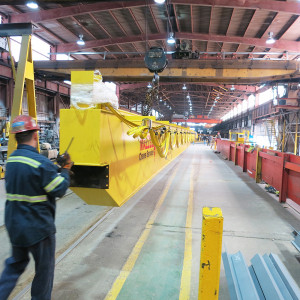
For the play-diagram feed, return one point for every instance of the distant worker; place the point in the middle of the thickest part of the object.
(210, 138)
(219, 135)
(32, 183)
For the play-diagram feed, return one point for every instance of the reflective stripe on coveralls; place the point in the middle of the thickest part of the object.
(53, 184)
(24, 160)
(32, 199)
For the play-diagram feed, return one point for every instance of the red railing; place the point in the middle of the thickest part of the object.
(280, 170)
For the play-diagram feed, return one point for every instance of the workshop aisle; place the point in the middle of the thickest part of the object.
(150, 247)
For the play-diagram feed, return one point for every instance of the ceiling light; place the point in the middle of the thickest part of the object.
(171, 39)
(270, 39)
(232, 88)
(149, 86)
(80, 42)
(32, 4)
(188, 97)
(184, 87)
(160, 100)
(159, 1)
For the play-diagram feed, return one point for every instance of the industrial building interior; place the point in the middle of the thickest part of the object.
(167, 108)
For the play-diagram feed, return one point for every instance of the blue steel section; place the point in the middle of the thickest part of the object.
(232, 283)
(296, 242)
(256, 283)
(279, 282)
(286, 277)
(266, 281)
(238, 277)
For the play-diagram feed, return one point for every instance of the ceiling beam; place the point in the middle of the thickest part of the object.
(225, 72)
(55, 13)
(68, 11)
(290, 46)
(243, 88)
(204, 120)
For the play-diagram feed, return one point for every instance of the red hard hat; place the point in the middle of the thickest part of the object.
(23, 123)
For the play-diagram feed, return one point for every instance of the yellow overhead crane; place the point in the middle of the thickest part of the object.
(117, 152)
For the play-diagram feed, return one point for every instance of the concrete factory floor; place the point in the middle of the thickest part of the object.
(138, 251)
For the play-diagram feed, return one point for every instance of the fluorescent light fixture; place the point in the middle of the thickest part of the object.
(171, 39)
(184, 87)
(67, 82)
(32, 5)
(270, 39)
(160, 100)
(188, 97)
(80, 42)
(149, 86)
(159, 1)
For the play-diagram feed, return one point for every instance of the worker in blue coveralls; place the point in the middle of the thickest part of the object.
(32, 182)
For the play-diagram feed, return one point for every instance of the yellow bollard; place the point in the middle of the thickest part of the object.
(211, 249)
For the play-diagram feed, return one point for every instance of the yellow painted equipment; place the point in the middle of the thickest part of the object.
(211, 249)
(240, 137)
(25, 73)
(117, 152)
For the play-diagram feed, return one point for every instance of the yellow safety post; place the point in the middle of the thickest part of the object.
(283, 136)
(258, 167)
(25, 72)
(211, 249)
(296, 136)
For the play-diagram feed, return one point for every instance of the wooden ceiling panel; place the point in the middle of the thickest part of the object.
(277, 24)
(292, 33)
(214, 47)
(127, 21)
(200, 45)
(128, 47)
(159, 14)
(91, 25)
(106, 19)
(59, 31)
(201, 18)
(239, 21)
(156, 44)
(220, 20)
(74, 28)
(183, 13)
(229, 47)
(140, 46)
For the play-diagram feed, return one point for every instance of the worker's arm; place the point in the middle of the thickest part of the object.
(54, 184)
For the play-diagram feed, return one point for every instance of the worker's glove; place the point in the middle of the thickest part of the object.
(64, 161)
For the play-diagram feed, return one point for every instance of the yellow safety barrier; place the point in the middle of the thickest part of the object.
(211, 249)
(116, 152)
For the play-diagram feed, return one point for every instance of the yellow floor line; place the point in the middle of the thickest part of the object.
(128, 266)
(185, 286)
